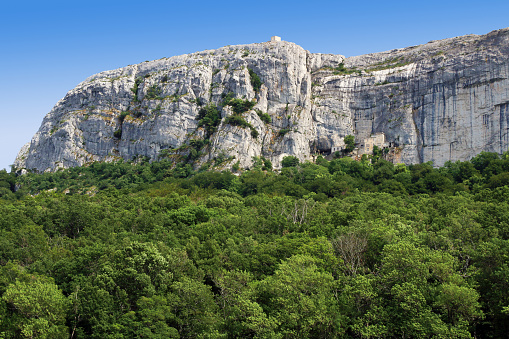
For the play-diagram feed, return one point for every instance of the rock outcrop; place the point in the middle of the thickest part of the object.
(445, 100)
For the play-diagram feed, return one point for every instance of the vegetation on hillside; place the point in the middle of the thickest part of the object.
(332, 249)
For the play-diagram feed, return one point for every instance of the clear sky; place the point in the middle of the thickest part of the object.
(48, 47)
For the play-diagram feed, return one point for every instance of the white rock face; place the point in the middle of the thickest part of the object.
(446, 100)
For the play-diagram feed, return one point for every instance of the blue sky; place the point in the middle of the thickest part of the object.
(48, 47)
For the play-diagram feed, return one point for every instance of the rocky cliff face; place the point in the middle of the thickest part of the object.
(446, 100)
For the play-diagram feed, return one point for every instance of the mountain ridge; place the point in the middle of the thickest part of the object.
(445, 100)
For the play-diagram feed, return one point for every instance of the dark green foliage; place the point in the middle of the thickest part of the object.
(154, 92)
(342, 70)
(320, 160)
(217, 180)
(339, 249)
(98, 176)
(198, 143)
(256, 82)
(236, 120)
(193, 154)
(236, 166)
(194, 149)
(122, 116)
(290, 161)
(227, 97)
(118, 133)
(349, 143)
(137, 83)
(34, 307)
(209, 117)
(282, 132)
(238, 106)
(7, 180)
(264, 116)
(489, 164)
(499, 180)
(261, 163)
(267, 164)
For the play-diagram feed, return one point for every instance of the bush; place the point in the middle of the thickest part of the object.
(267, 164)
(137, 83)
(236, 120)
(198, 143)
(290, 161)
(236, 166)
(283, 131)
(217, 180)
(256, 82)
(265, 117)
(209, 118)
(238, 106)
(342, 70)
(349, 143)
(153, 92)
(122, 116)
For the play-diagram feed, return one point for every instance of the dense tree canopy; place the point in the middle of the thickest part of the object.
(332, 249)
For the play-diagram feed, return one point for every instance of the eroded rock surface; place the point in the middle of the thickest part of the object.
(445, 100)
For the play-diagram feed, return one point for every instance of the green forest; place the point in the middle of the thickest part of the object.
(330, 249)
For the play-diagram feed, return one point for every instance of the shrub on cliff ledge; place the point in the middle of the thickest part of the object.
(236, 120)
(265, 117)
(238, 106)
(209, 118)
(256, 82)
(154, 92)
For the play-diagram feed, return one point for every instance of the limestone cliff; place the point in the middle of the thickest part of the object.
(445, 100)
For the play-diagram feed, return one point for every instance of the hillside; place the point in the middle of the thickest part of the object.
(445, 100)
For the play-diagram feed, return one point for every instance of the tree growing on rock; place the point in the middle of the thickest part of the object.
(349, 143)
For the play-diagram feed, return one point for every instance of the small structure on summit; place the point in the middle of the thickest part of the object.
(275, 38)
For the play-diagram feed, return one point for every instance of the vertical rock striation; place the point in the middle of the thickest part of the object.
(446, 100)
